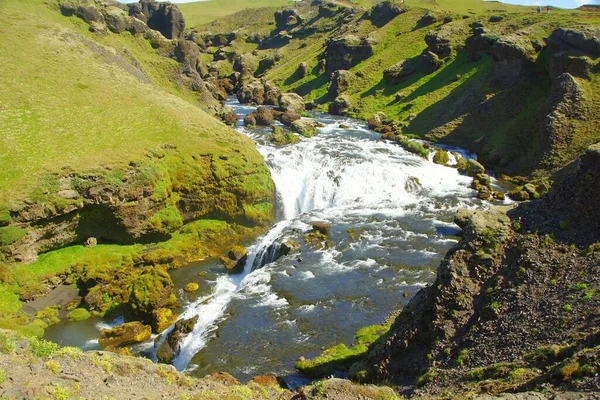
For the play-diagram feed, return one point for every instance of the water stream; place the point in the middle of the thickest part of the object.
(391, 214)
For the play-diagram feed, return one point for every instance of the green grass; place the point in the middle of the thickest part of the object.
(68, 103)
(340, 357)
(203, 12)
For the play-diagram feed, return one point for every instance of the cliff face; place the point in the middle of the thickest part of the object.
(514, 306)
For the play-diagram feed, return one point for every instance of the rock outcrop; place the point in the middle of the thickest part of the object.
(382, 13)
(438, 313)
(160, 16)
(346, 51)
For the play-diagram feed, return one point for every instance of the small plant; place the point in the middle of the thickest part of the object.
(73, 352)
(3, 375)
(567, 308)
(318, 388)
(476, 374)
(42, 348)
(462, 356)
(60, 393)
(104, 362)
(590, 294)
(569, 370)
(7, 344)
(580, 287)
(52, 366)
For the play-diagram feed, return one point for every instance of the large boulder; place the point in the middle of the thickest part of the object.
(128, 333)
(347, 51)
(171, 346)
(340, 106)
(302, 70)
(511, 54)
(339, 82)
(89, 13)
(162, 318)
(151, 290)
(160, 16)
(116, 19)
(441, 40)
(235, 260)
(399, 71)
(565, 106)
(585, 40)
(382, 13)
(305, 127)
(288, 117)
(291, 102)
(287, 18)
(258, 92)
(245, 61)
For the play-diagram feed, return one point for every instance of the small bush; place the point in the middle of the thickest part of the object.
(42, 348)
(476, 374)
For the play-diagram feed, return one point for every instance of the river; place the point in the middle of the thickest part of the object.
(391, 214)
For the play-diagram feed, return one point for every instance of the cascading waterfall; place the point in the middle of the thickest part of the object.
(336, 174)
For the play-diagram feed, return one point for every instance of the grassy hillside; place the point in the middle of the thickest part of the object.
(203, 12)
(101, 140)
(446, 105)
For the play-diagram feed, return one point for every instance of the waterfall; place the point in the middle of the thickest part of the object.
(334, 174)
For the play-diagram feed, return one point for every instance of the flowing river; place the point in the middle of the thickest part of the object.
(391, 218)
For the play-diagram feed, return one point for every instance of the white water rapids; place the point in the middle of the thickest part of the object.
(339, 174)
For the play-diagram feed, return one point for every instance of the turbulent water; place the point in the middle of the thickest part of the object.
(391, 214)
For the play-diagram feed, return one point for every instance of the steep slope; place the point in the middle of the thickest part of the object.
(481, 75)
(515, 304)
(104, 143)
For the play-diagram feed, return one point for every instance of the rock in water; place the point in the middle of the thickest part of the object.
(322, 227)
(128, 333)
(171, 346)
(162, 318)
(235, 260)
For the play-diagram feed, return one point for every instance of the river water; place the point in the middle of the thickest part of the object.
(391, 214)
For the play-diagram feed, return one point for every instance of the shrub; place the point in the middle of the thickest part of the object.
(42, 348)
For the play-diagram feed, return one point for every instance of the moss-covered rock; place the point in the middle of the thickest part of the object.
(79, 314)
(191, 287)
(441, 157)
(151, 290)
(305, 127)
(162, 318)
(128, 333)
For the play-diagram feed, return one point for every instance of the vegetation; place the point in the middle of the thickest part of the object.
(340, 357)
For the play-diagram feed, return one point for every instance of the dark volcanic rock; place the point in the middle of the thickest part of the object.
(287, 18)
(89, 13)
(382, 13)
(163, 17)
